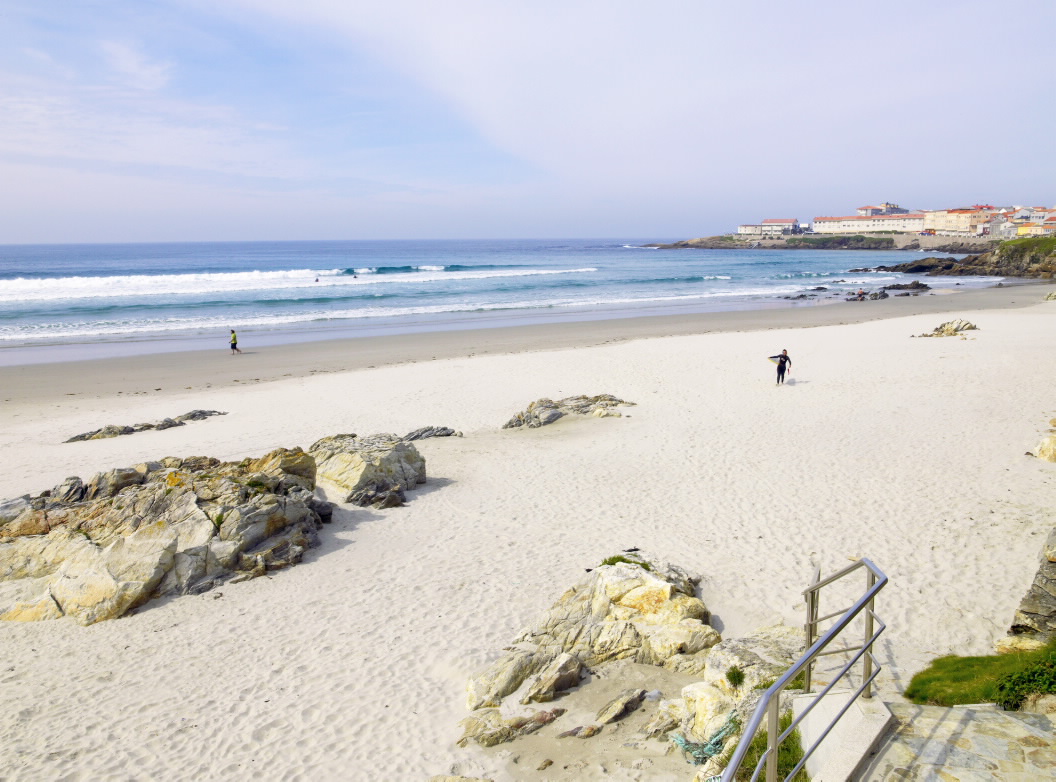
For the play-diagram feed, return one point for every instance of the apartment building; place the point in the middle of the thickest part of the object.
(907, 222)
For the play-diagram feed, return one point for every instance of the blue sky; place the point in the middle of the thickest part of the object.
(326, 119)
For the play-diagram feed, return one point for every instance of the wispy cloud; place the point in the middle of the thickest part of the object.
(134, 68)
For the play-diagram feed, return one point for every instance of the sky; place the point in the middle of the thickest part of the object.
(212, 120)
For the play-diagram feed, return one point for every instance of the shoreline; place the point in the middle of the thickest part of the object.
(164, 372)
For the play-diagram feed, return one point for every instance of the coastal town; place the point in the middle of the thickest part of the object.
(978, 220)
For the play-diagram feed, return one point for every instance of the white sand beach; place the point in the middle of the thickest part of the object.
(353, 664)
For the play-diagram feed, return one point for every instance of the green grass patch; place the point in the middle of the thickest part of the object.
(788, 754)
(620, 558)
(1028, 245)
(1005, 679)
(839, 241)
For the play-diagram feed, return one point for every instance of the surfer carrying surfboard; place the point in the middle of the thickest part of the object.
(783, 362)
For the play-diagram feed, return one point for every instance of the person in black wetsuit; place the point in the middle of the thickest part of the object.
(783, 362)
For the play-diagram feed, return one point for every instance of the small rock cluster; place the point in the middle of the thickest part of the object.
(115, 430)
(545, 411)
(951, 328)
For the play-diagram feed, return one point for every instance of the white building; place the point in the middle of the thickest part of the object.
(910, 222)
(770, 227)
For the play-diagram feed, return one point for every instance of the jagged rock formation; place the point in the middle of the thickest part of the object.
(545, 411)
(1031, 258)
(620, 616)
(116, 430)
(619, 611)
(95, 551)
(374, 470)
(430, 431)
(1036, 616)
(951, 328)
(1051, 296)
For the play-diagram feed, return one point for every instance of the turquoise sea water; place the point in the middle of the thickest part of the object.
(158, 296)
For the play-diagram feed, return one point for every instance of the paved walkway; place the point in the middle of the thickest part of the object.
(965, 744)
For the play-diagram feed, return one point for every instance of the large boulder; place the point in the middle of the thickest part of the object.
(374, 470)
(625, 611)
(545, 411)
(96, 551)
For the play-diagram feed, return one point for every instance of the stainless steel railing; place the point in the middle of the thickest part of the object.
(769, 705)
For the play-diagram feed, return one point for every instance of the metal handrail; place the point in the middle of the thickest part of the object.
(769, 705)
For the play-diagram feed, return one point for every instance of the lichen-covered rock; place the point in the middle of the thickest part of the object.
(623, 611)
(172, 527)
(951, 328)
(545, 411)
(503, 677)
(562, 673)
(669, 715)
(369, 468)
(1046, 449)
(762, 657)
(620, 706)
(487, 727)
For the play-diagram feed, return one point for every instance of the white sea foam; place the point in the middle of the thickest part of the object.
(20, 290)
(140, 326)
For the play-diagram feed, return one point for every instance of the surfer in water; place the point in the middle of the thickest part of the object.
(783, 362)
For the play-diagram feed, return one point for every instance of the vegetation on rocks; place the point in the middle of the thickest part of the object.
(788, 754)
(840, 242)
(1005, 679)
(620, 558)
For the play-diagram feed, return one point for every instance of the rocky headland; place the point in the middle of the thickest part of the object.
(1033, 258)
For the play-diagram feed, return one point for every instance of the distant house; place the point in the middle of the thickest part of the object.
(770, 227)
(957, 222)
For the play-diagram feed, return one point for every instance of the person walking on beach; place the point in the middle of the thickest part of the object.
(783, 362)
(234, 343)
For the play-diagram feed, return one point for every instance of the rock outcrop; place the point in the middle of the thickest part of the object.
(626, 617)
(619, 612)
(116, 430)
(375, 470)
(96, 550)
(951, 328)
(545, 411)
(1027, 258)
(431, 431)
(1036, 616)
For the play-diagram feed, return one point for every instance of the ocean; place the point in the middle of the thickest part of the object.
(111, 299)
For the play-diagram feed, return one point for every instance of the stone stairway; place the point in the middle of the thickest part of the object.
(965, 743)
